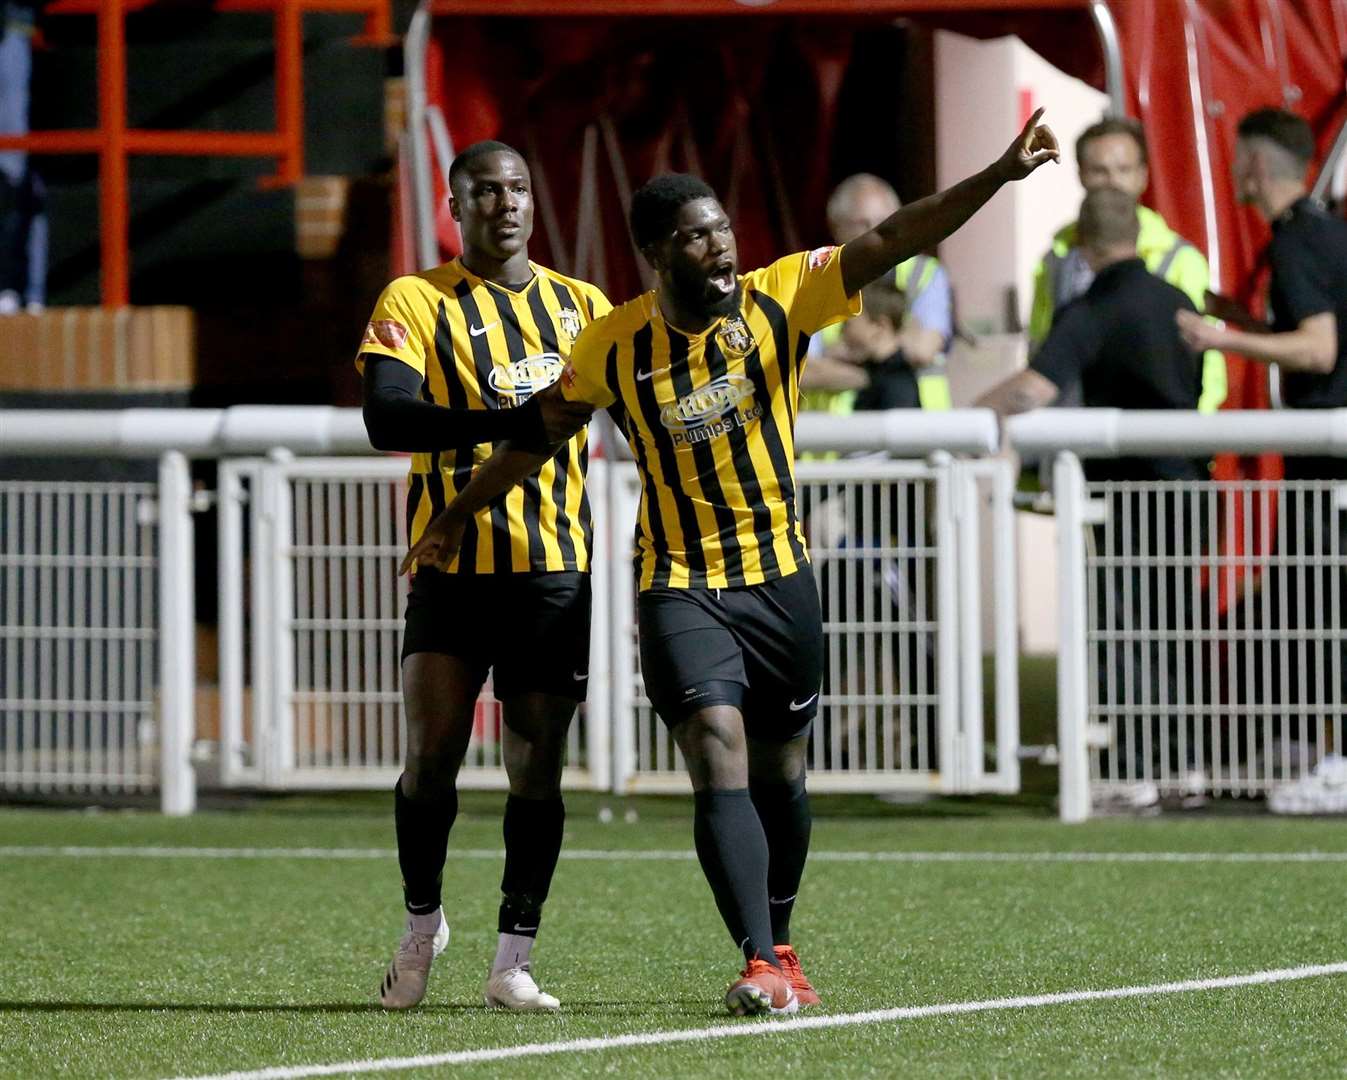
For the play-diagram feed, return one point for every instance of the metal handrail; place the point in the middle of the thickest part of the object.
(323, 429)
(114, 142)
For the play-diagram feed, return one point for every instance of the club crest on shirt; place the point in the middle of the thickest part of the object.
(715, 409)
(734, 338)
(818, 258)
(569, 321)
(389, 333)
(515, 383)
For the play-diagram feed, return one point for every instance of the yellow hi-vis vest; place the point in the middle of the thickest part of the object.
(932, 380)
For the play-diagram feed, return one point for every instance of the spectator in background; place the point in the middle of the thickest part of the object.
(1307, 303)
(873, 367)
(23, 221)
(892, 356)
(1117, 346)
(1113, 154)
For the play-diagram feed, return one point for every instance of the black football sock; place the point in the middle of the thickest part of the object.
(783, 809)
(532, 829)
(733, 852)
(423, 835)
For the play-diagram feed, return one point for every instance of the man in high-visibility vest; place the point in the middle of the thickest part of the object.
(1113, 154)
(912, 371)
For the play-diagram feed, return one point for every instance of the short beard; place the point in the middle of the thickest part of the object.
(692, 293)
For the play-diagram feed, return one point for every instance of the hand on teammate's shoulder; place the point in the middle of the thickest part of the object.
(561, 418)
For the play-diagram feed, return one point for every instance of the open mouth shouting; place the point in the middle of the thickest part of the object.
(722, 280)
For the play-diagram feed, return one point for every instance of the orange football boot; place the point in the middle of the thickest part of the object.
(761, 989)
(805, 994)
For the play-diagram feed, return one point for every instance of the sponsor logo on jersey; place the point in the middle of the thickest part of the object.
(522, 379)
(711, 411)
(818, 258)
(569, 321)
(734, 338)
(389, 333)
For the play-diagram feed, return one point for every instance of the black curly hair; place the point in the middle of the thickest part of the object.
(655, 206)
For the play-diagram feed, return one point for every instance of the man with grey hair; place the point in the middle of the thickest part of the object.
(869, 363)
(1307, 305)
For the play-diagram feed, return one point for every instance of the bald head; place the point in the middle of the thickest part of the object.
(858, 204)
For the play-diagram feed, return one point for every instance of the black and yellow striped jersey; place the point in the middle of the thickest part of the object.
(479, 345)
(711, 421)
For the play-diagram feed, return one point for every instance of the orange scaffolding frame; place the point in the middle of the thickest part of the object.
(114, 142)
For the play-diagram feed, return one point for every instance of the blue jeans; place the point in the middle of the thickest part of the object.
(23, 219)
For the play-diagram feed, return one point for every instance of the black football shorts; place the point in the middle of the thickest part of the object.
(758, 648)
(532, 629)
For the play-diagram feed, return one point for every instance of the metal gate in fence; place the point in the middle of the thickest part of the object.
(311, 612)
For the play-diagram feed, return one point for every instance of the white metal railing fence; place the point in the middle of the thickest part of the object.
(92, 669)
(1207, 626)
(1201, 623)
(1199, 644)
(894, 546)
(79, 638)
(318, 637)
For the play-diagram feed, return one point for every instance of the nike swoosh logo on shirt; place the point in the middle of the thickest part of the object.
(478, 331)
(641, 376)
(797, 706)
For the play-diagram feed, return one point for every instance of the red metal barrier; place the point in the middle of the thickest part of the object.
(114, 142)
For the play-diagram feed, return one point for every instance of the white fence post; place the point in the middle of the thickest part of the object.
(622, 609)
(947, 622)
(599, 706)
(177, 637)
(968, 545)
(1068, 483)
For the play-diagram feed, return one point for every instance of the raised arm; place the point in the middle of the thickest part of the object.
(924, 223)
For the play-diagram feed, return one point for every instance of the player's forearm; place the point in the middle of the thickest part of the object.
(507, 466)
(916, 227)
(396, 418)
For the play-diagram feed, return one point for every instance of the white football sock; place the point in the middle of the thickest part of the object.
(512, 952)
(425, 924)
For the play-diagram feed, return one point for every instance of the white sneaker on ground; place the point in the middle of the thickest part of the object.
(404, 982)
(514, 988)
(1129, 797)
(1322, 792)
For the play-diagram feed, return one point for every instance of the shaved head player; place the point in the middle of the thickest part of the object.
(454, 357)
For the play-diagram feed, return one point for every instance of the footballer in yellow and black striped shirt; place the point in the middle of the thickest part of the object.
(703, 374)
(453, 359)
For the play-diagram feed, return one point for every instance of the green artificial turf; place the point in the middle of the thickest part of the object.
(154, 967)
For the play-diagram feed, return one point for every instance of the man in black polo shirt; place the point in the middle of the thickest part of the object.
(1119, 346)
(1117, 343)
(1307, 303)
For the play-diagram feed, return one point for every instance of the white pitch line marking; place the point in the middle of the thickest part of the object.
(593, 855)
(777, 1027)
